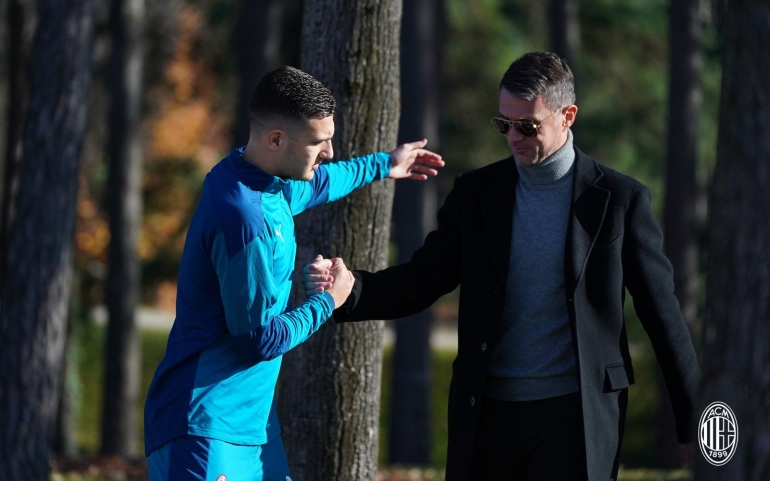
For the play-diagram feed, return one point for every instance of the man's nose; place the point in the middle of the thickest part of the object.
(513, 135)
(328, 151)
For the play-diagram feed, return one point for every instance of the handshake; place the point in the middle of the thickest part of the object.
(328, 275)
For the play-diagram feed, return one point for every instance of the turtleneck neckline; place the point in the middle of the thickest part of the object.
(555, 167)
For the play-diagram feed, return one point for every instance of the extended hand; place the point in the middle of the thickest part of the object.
(316, 277)
(342, 282)
(411, 161)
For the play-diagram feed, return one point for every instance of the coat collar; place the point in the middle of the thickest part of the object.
(589, 205)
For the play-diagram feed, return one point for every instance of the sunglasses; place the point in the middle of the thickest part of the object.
(525, 127)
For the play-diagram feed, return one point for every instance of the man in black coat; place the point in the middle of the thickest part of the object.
(543, 245)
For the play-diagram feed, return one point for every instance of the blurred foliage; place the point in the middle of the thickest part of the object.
(622, 73)
(623, 80)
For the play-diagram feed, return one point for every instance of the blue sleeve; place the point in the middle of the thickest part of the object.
(250, 300)
(336, 180)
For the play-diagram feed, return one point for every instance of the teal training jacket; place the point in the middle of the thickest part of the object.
(234, 320)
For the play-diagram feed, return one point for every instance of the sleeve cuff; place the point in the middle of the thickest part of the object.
(342, 313)
(327, 299)
(385, 163)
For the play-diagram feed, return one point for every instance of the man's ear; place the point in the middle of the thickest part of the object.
(569, 115)
(276, 140)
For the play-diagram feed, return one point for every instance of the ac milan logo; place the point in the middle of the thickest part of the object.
(718, 433)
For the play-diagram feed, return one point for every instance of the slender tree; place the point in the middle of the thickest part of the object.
(736, 332)
(257, 43)
(680, 217)
(330, 389)
(564, 29)
(414, 214)
(39, 258)
(122, 350)
(21, 19)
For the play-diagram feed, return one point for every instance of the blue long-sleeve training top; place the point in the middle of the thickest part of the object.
(234, 320)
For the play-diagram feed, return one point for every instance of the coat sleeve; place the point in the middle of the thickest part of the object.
(407, 289)
(649, 278)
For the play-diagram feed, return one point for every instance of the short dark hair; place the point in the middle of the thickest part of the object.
(290, 95)
(541, 74)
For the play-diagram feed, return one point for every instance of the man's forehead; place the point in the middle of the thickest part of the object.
(322, 126)
(517, 107)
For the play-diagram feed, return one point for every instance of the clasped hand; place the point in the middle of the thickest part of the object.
(328, 275)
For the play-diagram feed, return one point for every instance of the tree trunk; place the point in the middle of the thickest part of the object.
(39, 260)
(414, 214)
(257, 43)
(122, 370)
(682, 191)
(63, 442)
(330, 388)
(564, 29)
(21, 22)
(736, 331)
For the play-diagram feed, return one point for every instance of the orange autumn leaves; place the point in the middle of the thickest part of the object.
(185, 135)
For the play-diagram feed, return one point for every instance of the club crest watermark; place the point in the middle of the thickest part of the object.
(718, 433)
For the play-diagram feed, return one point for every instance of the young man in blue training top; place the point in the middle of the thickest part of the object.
(210, 411)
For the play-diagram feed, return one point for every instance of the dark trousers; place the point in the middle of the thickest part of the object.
(531, 440)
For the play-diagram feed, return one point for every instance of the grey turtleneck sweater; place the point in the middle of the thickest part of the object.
(535, 358)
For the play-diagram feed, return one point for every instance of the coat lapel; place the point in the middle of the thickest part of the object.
(497, 212)
(589, 205)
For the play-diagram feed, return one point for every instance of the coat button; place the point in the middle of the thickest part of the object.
(483, 347)
(498, 291)
(473, 401)
(569, 300)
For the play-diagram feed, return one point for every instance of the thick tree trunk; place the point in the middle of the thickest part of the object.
(21, 22)
(39, 261)
(414, 214)
(736, 331)
(682, 191)
(122, 354)
(257, 43)
(330, 388)
(564, 29)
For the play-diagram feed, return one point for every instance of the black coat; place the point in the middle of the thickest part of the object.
(613, 243)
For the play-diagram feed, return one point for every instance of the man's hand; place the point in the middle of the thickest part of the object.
(411, 161)
(316, 277)
(342, 282)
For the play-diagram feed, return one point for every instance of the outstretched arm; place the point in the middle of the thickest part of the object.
(337, 179)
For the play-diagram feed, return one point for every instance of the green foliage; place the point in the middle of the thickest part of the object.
(621, 74)
(90, 339)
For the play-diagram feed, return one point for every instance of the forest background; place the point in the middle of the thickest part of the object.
(192, 111)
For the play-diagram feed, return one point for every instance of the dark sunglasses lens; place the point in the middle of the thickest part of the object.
(501, 126)
(525, 128)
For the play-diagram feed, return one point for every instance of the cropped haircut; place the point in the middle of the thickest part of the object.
(541, 74)
(289, 95)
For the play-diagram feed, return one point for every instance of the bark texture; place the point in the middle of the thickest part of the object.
(736, 331)
(680, 217)
(122, 369)
(39, 260)
(564, 33)
(21, 23)
(330, 388)
(414, 215)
